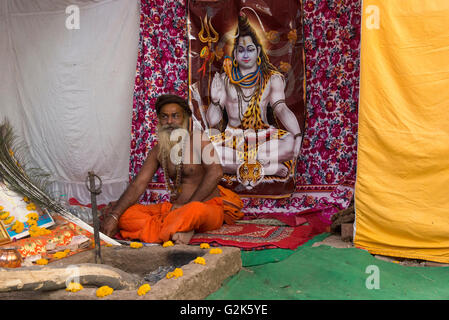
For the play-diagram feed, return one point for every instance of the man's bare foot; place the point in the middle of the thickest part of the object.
(182, 237)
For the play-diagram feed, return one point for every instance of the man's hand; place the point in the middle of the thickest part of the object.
(109, 224)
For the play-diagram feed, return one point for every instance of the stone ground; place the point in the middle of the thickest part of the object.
(149, 264)
(141, 262)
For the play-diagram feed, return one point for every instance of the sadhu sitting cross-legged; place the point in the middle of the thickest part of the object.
(198, 203)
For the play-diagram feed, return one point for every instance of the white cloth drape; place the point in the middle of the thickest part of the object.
(68, 92)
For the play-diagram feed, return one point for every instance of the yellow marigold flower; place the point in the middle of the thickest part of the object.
(200, 260)
(204, 246)
(104, 291)
(1, 208)
(74, 287)
(9, 220)
(4, 215)
(32, 216)
(176, 273)
(31, 222)
(31, 207)
(215, 251)
(33, 230)
(167, 244)
(26, 199)
(18, 226)
(60, 254)
(38, 231)
(136, 245)
(42, 262)
(43, 231)
(143, 289)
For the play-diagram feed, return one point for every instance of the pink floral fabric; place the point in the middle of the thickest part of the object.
(326, 167)
(332, 49)
(161, 68)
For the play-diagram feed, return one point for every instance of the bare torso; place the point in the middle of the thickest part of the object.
(191, 176)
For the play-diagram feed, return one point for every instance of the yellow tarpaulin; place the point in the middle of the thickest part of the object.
(402, 188)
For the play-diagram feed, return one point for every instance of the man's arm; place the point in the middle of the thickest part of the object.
(213, 172)
(139, 185)
(109, 225)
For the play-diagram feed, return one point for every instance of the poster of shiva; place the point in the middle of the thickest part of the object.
(246, 89)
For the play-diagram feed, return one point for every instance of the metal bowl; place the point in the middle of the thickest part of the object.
(10, 258)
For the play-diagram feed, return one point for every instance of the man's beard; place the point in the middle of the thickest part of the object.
(164, 133)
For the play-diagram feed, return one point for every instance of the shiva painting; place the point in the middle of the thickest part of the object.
(256, 134)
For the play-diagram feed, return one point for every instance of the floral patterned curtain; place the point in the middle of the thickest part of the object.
(161, 68)
(327, 164)
(332, 48)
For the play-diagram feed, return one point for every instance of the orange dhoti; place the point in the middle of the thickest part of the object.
(155, 223)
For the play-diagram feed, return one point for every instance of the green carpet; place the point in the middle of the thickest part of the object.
(329, 273)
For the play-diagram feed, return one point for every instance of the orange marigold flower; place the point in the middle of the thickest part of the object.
(104, 291)
(136, 245)
(176, 273)
(74, 287)
(204, 246)
(200, 260)
(215, 251)
(143, 289)
(167, 244)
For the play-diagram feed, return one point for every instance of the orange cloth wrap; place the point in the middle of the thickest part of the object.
(155, 223)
